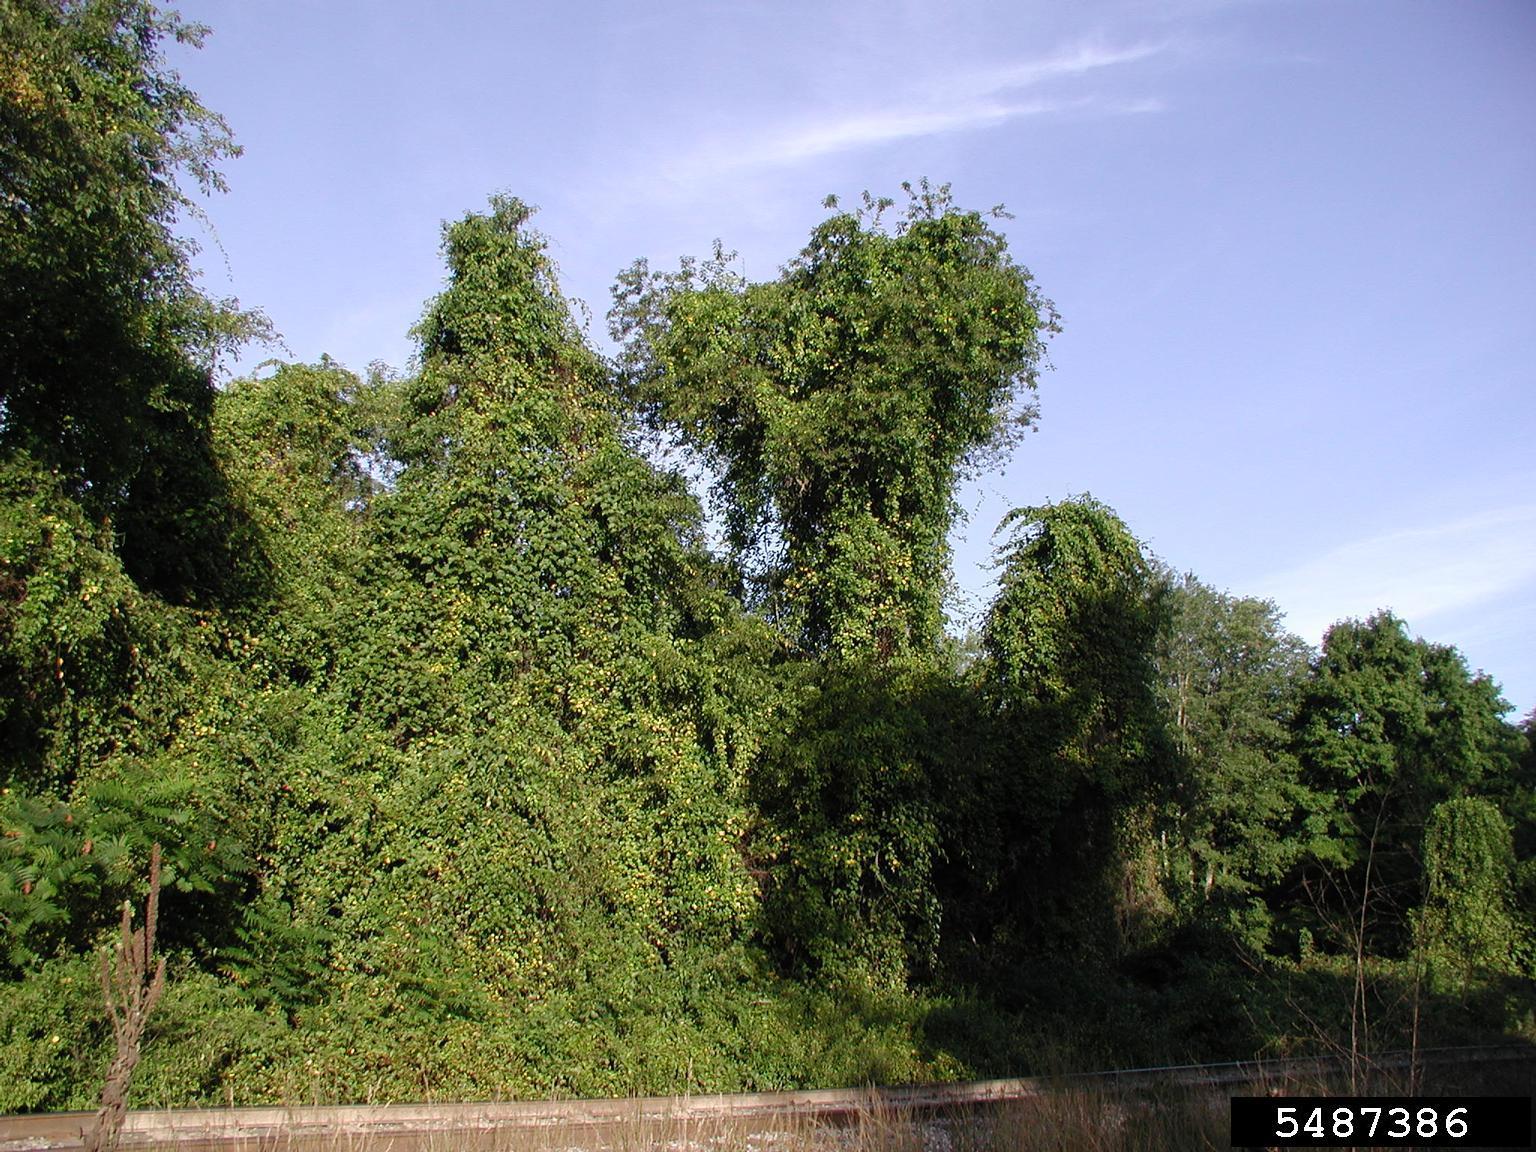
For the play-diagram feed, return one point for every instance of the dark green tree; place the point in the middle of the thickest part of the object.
(1231, 678)
(106, 345)
(839, 404)
(1388, 728)
(1521, 805)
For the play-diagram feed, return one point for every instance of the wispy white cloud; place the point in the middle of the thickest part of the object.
(954, 102)
(1075, 61)
(822, 138)
(1418, 573)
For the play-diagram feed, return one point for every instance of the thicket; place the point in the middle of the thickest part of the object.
(477, 772)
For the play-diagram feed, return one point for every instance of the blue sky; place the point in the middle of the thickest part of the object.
(1293, 243)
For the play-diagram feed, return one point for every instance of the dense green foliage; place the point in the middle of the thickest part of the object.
(839, 402)
(1466, 920)
(1230, 678)
(106, 345)
(478, 773)
(1388, 728)
(1083, 752)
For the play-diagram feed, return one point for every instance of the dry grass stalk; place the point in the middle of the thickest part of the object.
(132, 980)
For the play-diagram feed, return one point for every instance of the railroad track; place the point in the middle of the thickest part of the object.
(416, 1125)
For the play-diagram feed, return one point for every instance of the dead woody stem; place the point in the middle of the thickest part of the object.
(132, 980)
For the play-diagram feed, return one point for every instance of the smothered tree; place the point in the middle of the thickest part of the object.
(839, 404)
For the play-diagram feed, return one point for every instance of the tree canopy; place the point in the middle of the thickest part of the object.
(840, 402)
(1388, 728)
(107, 344)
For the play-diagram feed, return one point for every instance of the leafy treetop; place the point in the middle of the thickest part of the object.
(839, 403)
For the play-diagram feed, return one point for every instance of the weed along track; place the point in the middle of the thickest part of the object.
(1128, 1108)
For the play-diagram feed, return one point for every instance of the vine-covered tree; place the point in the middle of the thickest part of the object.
(1468, 919)
(1069, 669)
(839, 404)
(530, 688)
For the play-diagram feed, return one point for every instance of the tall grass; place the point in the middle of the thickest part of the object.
(1066, 1116)
(1078, 1120)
